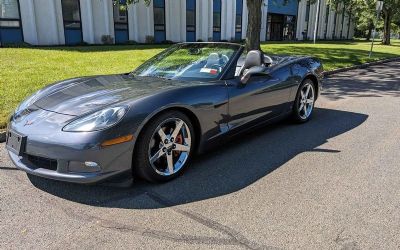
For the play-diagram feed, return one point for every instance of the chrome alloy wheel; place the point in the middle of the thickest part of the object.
(306, 103)
(169, 146)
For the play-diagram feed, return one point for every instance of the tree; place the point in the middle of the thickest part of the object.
(365, 14)
(254, 24)
(390, 9)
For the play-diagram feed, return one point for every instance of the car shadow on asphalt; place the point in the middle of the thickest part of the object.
(380, 80)
(231, 167)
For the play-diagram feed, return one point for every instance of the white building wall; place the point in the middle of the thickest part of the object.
(331, 20)
(204, 19)
(330, 28)
(245, 15)
(311, 21)
(43, 23)
(321, 21)
(264, 16)
(175, 20)
(338, 26)
(345, 26)
(301, 15)
(228, 18)
(28, 19)
(87, 22)
(141, 21)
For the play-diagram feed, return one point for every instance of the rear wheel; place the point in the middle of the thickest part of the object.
(165, 147)
(304, 103)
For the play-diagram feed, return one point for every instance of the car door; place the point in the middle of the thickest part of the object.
(260, 99)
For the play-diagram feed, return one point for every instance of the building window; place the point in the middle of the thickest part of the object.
(9, 14)
(71, 14)
(275, 27)
(159, 20)
(72, 21)
(216, 20)
(10, 22)
(281, 27)
(190, 20)
(289, 27)
(238, 22)
(121, 31)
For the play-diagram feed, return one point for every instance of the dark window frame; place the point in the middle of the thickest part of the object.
(118, 22)
(66, 21)
(19, 20)
(195, 22)
(217, 28)
(163, 25)
(282, 25)
(239, 29)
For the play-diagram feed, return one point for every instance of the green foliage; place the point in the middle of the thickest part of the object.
(147, 2)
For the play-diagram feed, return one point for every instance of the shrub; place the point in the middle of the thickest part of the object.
(132, 42)
(107, 39)
(15, 45)
(149, 39)
(167, 42)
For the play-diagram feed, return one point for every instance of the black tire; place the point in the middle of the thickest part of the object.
(141, 162)
(296, 113)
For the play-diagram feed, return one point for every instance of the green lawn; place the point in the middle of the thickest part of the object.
(25, 70)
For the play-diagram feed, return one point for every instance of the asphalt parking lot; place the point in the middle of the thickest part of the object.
(332, 183)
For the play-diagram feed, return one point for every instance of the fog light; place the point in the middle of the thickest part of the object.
(91, 164)
(83, 167)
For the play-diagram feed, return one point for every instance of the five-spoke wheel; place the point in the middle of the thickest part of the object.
(304, 103)
(170, 146)
(165, 147)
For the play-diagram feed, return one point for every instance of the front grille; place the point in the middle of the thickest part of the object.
(41, 162)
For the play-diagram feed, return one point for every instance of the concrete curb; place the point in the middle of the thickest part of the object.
(361, 66)
(2, 136)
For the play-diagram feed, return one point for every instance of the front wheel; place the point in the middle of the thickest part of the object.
(304, 103)
(165, 148)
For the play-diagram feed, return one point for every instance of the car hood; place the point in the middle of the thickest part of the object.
(82, 95)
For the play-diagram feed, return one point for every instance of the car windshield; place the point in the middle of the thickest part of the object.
(194, 60)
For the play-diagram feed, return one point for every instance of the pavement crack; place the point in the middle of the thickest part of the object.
(234, 235)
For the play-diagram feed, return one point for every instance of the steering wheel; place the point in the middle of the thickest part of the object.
(225, 59)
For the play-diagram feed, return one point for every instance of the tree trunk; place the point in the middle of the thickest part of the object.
(386, 26)
(253, 25)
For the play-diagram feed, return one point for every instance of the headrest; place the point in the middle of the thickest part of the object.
(212, 59)
(253, 58)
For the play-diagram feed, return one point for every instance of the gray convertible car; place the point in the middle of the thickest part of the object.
(149, 123)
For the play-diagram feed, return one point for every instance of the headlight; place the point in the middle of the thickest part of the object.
(97, 121)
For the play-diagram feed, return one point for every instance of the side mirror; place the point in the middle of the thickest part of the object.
(255, 70)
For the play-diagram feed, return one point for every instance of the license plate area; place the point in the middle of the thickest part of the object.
(15, 142)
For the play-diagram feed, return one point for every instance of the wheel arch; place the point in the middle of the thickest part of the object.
(185, 110)
(315, 81)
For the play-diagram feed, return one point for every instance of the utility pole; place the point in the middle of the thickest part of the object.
(379, 6)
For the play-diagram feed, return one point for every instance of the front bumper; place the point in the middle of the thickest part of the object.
(84, 178)
(51, 153)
